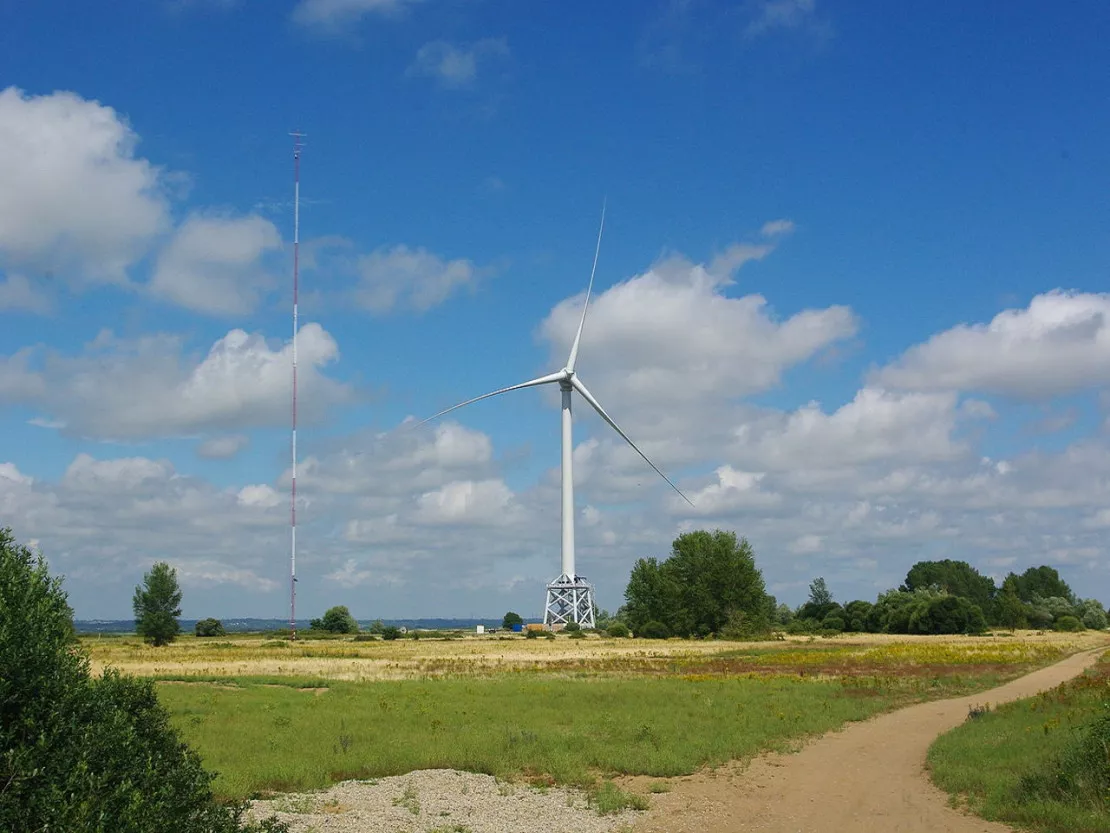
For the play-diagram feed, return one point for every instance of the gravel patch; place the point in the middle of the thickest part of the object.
(443, 801)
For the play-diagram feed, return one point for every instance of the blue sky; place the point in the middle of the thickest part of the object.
(850, 295)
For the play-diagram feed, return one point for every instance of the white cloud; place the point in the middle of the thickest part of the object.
(333, 14)
(76, 201)
(400, 277)
(17, 293)
(222, 448)
(214, 264)
(784, 14)
(137, 389)
(483, 502)
(453, 66)
(1059, 344)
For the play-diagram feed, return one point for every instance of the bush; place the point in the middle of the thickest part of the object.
(391, 632)
(1081, 775)
(1068, 623)
(619, 630)
(532, 635)
(570, 627)
(84, 753)
(210, 627)
(366, 637)
(576, 635)
(337, 620)
(833, 624)
(654, 630)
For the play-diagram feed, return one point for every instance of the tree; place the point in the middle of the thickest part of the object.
(511, 619)
(819, 594)
(210, 627)
(83, 753)
(709, 580)
(1092, 614)
(336, 620)
(1010, 611)
(857, 616)
(957, 578)
(1041, 581)
(157, 604)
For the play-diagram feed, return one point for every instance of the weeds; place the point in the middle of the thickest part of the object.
(609, 799)
(408, 799)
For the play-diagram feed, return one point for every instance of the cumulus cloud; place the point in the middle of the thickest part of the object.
(401, 277)
(222, 448)
(148, 387)
(454, 66)
(17, 293)
(214, 264)
(76, 201)
(1059, 344)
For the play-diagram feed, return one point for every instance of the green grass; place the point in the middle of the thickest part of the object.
(1026, 762)
(272, 737)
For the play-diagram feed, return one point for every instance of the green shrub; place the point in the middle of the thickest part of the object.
(570, 627)
(576, 635)
(82, 753)
(210, 627)
(1068, 623)
(654, 630)
(532, 635)
(833, 623)
(391, 632)
(366, 637)
(619, 630)
(336, 620)
(1080, 775)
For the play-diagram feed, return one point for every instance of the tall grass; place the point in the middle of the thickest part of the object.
(266, 737)
(1042, 763)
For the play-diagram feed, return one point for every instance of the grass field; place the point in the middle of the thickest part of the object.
(270, 716)
(1025, 764)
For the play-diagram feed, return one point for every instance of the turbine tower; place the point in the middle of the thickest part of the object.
(570, 596)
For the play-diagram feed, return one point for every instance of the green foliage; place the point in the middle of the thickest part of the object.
(570, 627)
(833, 623)
(78, 753)
(654, 630)
(619, 630)
(819, 594)
(1068, 623)
(857, 616)
(1080, 774)
(783, 614)
(336, 620)
(707, 579)
(1041, 582)
(1092, 614)
(376, 627)
(1010, 610)
(157, 604)
(511, 619)
(210, 627)
(533, 635)
(578, 634)
(609, 799)
(956, 578)
(391, 632)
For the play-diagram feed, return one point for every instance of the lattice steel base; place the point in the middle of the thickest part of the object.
(569, 600)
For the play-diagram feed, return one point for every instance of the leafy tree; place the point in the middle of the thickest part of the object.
(957, 578)
(947, 614)
(618, 630)
(833, 622)
(377, 626)
(709, 579)
(1068, 623)
(511, 619)
(157, 604)
(210, 627)
(783, 614)
(1041, 581)
(84, 753)
(819, 592)
(1092, 614)
(391, 632)
(336, 620)
(857, 615)
(1010, 611)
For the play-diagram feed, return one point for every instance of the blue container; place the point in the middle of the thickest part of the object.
(518, 627)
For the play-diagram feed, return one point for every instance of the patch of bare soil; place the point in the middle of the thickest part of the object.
(867, 778)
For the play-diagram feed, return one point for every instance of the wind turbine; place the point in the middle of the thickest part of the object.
(570, 596)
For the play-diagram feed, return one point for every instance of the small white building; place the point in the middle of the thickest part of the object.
(481, 629)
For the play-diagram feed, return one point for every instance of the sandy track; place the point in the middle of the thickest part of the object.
(867, 778)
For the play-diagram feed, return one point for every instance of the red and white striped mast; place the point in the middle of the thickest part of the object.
(297, 145)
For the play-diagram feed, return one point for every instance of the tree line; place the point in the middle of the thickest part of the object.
(710, 585)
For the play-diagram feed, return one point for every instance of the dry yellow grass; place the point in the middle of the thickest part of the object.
(479, 656)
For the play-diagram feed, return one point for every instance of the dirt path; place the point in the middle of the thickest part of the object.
(868, 778)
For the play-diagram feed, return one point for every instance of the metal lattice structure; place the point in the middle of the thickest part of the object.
(569, 600)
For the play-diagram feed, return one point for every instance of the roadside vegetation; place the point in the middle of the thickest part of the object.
(1042, 763)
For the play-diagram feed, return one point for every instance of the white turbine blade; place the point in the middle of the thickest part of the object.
(589, 289)
(543, 380)
(578, 386)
